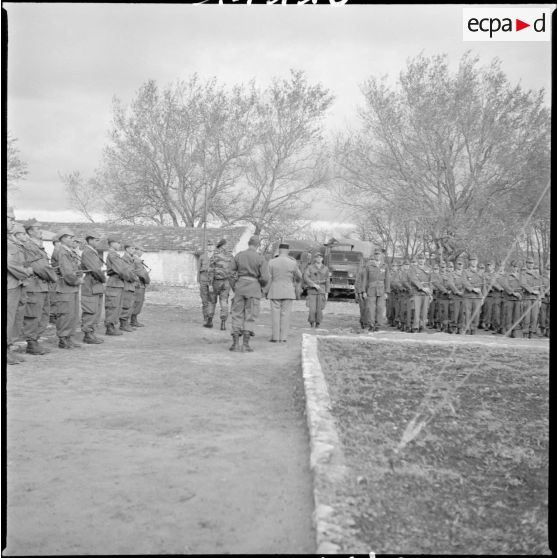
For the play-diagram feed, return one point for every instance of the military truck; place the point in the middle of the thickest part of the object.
(343, 263)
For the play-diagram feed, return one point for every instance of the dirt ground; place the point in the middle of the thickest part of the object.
(161, 441)
(474, 480)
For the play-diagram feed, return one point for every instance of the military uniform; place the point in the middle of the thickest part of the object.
(140, 269)
(511, 319)
(52, 286)
(419, 281)
(92, 292)
(405, 313)
(280, 290)
(454, 284)
(249, 274)
(531, 285)
(362, 303)
(491, 294)
(317, 280)
(37, 308)
(18, 273)
(218, 277)
(118, 272)
(128, 293)
(67, 296)
(375, 284)
(441, 299)
(544, 314)
(473, 283)
(205, 289)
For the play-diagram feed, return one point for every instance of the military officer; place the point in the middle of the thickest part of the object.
(419, 279)
(280, 290)
(118, 271)
(249, 274)
(93, 288)
(206, 288)
(142, 271)
(359, 299)
(218, 277)
(473, 283)
(531, 285)
(18, 272)
(511, 319)
(37, 309)
(70, 278)
(129, 291)
(316, 278)
(375, 286)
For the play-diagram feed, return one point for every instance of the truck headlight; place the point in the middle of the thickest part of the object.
(351, 275)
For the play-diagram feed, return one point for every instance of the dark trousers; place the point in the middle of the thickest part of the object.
(221, 290)
(127, 304)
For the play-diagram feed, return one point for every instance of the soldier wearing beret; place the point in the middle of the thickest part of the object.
(280, 290)
(218, 278)
(511, 283)
(129, 290)
(70, 278)
(142, 272)
(206, 288)
(37, 308)
(374, 288)
(18, 273)
(531, 286)
(249, 274)
(92, 290)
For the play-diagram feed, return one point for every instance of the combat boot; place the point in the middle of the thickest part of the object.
(317, 325)
(134, 322)
(63, 343)
(72, 343)
(223, 322)
(209, 322)
(91, 339)
(124, 326)
(111, 330)
(11, 358)
(246, 342)
(235, 346)
(33, 348)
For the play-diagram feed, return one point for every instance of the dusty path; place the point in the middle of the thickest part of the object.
(160, 441)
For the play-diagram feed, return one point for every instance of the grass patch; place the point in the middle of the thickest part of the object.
(475, 478)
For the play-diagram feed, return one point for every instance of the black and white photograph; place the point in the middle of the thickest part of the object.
(278, 278)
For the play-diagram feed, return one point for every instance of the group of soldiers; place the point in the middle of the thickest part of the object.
(43, 290)
(455, 298)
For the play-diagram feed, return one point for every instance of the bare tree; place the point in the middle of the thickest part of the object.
(16, 167)
(449, 150)
(84, 195)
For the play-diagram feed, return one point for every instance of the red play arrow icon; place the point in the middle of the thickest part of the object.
(519, 25)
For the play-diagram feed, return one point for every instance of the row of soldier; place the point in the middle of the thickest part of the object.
(70, 281)
(456, 298)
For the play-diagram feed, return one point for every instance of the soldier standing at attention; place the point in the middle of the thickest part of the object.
(511, 319)
(206, 289)
(142, 272)
(18, 272)
(498, 300)
(248, 275)
(404, 295)
(359, 299)
(52, 287)
(489, 296)
(473, 282)
(440, 314)
(67, 290)
(544, 314)
(92, 290)
(419, 278)
(458, 323)
(393, 295)
(129, 291)
(37, 309)
(531, 285)
(280, 289)
(375, 286)
(316, 277)
(218, 278)
(117, 272)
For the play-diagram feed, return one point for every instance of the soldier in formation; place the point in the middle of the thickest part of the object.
(316, 277)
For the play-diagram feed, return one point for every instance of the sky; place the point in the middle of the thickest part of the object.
(66, 62)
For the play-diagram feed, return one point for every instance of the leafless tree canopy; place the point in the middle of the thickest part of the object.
(16, 167)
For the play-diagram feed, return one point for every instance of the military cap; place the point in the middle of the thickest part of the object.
(128, 245)
(10, 212)
(222, 242)
(31, 223)
(421, 256)
(377, 252)
(406, 261)
(514, 263)
(18, 228)
(138, 247)
(64, 232)
(529, 260)
(283, 246)
(473, 257)
(490, 262)
(414, 259)
(112, 239)
(91, 235)
(317, 255)
(254, 240)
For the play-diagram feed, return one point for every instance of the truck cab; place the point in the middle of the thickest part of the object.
(343, 263)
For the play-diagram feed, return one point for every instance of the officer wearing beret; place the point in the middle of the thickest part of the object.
(92, 290)
(280, 290)
(249, 274)
(70, 278)
(37, 307)
(18, 273)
